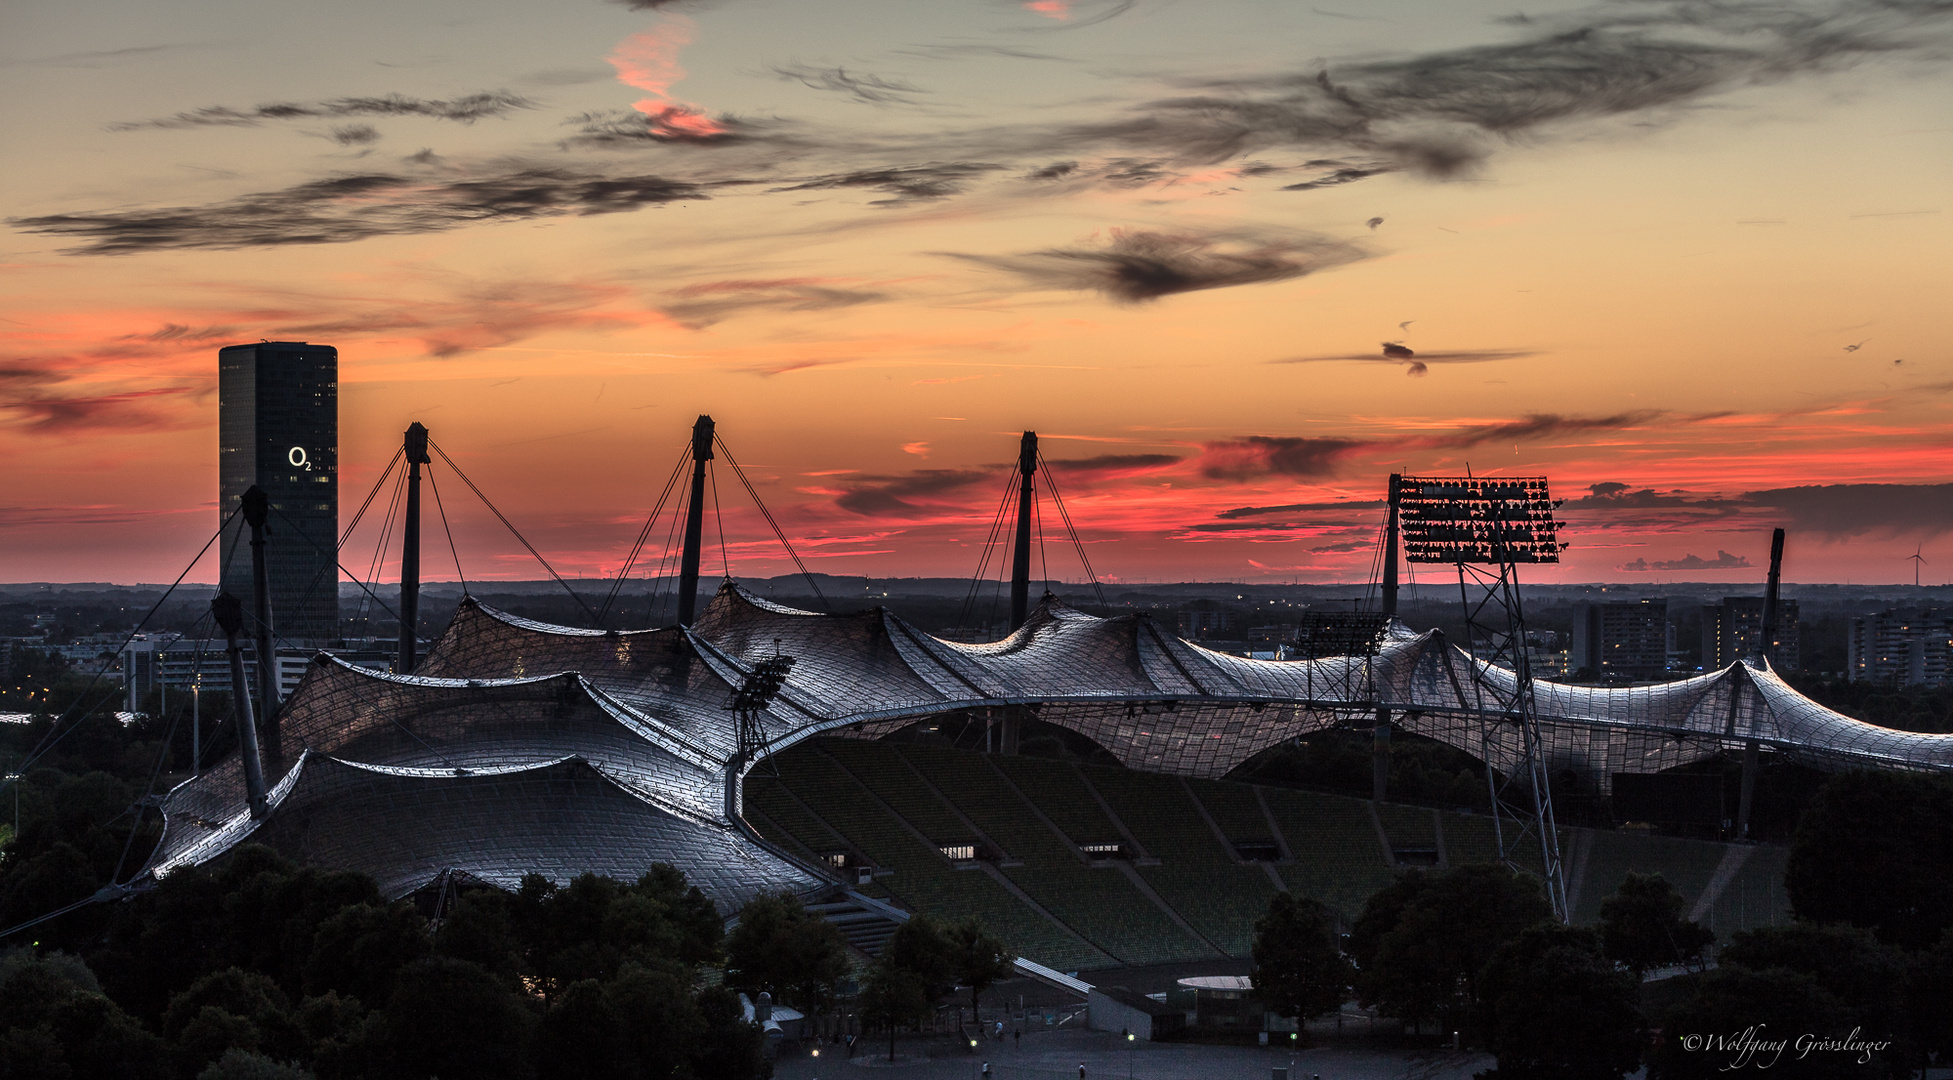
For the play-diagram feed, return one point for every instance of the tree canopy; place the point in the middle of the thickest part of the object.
(1875, 849)
(1642, 925)
(1299, 971)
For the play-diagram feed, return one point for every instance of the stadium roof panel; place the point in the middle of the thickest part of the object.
(485, 754)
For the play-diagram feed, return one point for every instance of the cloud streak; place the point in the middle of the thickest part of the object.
(1313, 457)
(909, 495)
(702, 305)
(466, 109)
(871, 89)
(358, 206)
(1723, 561)
(1136, 266)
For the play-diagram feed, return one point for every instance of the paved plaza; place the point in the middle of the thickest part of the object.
(1053, 1055)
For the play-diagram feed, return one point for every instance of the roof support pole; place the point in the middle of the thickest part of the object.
(1768, 645)
(1380, 737)
(1390, 546)
(257, 507)
(1020, 566)
(694, 522)
(1767, 649)
(416, 450)
(228, 611)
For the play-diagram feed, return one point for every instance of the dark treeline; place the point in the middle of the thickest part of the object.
(259, 969)
(1474, 950)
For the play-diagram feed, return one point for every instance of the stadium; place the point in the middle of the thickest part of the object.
(763, 748)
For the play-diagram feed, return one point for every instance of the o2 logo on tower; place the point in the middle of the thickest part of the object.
(297, 456)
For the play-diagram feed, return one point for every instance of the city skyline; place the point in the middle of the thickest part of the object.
(1235, 264)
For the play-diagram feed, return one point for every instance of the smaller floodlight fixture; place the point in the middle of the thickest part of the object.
(762, 686)
(1339, 633)
(1478, 519)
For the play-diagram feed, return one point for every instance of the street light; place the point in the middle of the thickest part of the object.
(1132, 1045)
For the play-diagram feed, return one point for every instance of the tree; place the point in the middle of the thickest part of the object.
(922, 947)
(977, 958)
(1381, 913)
(244, 1065)
(1555, 1008)
(1299, 971)
(359, 950)
(1735, 1010)
(893, 996)
(55, 1023)
(1847, 962)
(1427, 962)
(1929, 999)
(1641, 925)
(1875, 849)
(451, 1018)
(782, 948)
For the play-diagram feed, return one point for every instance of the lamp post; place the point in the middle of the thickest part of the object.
(1132, 1046)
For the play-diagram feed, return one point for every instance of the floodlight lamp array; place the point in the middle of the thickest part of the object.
(1339, 633)
(1467, 519)
(762, 685)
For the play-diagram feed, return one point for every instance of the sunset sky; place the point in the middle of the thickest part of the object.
(1692, 261)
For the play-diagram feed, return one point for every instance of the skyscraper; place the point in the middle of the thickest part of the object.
(278, 428)
(1621, 641)
(1733, 631)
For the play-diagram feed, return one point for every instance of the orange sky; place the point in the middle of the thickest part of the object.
(1688, 261)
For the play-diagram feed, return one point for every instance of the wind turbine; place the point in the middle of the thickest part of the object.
(1917, 558)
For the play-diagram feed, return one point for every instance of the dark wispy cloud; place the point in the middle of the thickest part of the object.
(1825, 510)
(96, 59)
(1435, 114)
(355, 134)
(1535, 426)
(1417, 363)
(359, 206)
(1135, 266)
(628, 127)
(1441, 113)
(1856, 509)
(1300, 508)
(1105, 465)
(877, 495)
(1275, 455)
(1345, 174)
(965, 50)
(903, 184)
(1310, 457)
(701, 305)
(873, 89)
(1242, 527)
(465, 110)
(1344, 547)
(1612, 496)
(1723, 561)
(42, 403)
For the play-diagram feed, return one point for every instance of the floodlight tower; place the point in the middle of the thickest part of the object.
(757, 692)
(1487, 526)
